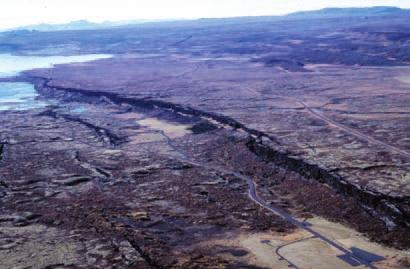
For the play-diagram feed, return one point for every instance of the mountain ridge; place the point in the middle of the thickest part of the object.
(351, 11)
(330, 12)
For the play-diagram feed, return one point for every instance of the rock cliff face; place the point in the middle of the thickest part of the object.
(205, 144)
(1, 150)
(109, 179)
(393, 210)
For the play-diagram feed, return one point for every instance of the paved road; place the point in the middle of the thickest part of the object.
(316, 113)
(285, 245)
(286, 216)
(252, 192)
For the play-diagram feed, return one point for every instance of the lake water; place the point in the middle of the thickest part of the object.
(18, 96)
(21, 96)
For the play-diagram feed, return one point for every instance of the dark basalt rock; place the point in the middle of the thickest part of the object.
(384, 205)
(75, 181)
(203, 127)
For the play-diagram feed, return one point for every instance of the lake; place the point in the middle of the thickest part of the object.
(22, 96)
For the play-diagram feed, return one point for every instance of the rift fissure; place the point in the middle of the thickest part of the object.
(381, 204)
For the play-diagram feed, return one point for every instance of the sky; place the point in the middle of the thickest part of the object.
(14, 13)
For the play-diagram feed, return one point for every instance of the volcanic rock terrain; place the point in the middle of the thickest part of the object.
(212, 144)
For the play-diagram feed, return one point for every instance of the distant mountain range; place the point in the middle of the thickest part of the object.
(322, 13)
(78, 25)
(350, 12)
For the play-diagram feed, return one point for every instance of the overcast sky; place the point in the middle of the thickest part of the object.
(25, 12)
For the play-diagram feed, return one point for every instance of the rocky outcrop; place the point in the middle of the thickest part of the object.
(2, 145)
(389, 208)
(81, 95)
(105, 133)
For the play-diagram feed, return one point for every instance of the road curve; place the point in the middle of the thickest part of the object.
(252, 193)
(286, 216)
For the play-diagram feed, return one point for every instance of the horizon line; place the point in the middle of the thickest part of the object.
(170, 19)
